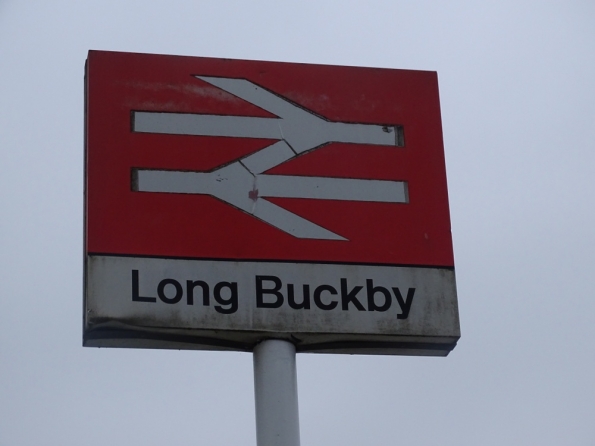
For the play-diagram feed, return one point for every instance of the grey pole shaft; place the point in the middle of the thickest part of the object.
(275, 394)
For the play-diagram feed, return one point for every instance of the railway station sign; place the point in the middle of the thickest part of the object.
(231, 201)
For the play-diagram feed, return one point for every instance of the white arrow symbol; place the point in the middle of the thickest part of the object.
(242, 183)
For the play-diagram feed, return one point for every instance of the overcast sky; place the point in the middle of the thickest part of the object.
(517, 86)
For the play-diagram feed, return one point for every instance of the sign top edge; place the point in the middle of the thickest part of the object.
(99, 53)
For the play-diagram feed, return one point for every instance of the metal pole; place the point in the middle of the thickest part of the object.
(275, 394)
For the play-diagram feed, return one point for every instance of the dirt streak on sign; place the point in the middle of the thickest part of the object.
(228, 201)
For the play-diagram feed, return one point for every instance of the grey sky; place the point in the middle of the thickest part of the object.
(518, 108)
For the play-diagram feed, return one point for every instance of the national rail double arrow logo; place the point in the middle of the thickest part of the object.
(244, 183)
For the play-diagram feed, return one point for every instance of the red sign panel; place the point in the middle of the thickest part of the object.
(202, 158)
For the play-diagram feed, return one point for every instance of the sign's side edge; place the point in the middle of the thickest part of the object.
(85, 192)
